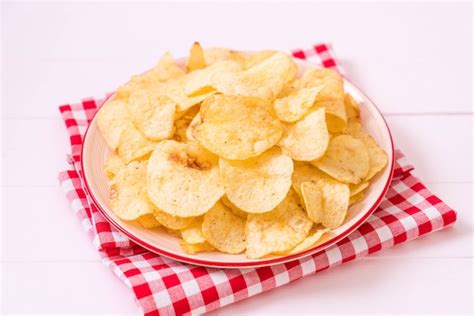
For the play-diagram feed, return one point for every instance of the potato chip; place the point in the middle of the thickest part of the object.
(237, 128)
(265, 79)
(128, 195)
(335, 202)
(326, 200)
(133, 145)
(166, 69)
(171, 221)
(258, 57)
(357, 198)
(331, 96)
(308, 139)
(294, 106)
(196, 248)
(113, 166)
(352, 108)
(182, 125)
(188, 114)
(148, 221)
(112, 120)
(352, 128)
(152, 114)
(224, 230)
(356, 188)
(331, 81)
(304, 172)
(335, 115)
(172, 232)
(196, 57)
(193, 233)
(237, 211)
(313, 201)
(259, 184)
(377, 157)
(346, 159)
(203, 81)
(287, 90)
(216, 54)
(175, 90)
(190, 131)
(313, 237)
(279, 230)
(183, 179)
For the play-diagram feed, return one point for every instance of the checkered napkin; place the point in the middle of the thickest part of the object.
(164, 286)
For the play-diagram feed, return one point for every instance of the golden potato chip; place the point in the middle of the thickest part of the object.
(313, 237)
(166, 69)
(294, 106)
(171, 221)
(326, 200)
(195, 122)
(133, 145)
(183, 179)
(203, 81)
(148, 221)
(128, 195)
(356, 188)
(277, 231)
(180, 126)
(173, 232)
(196, 248)
(258, 184)
(313, 201)
(265, 79)
(331, 81)
(335, 115)
(152, 114)
(196, 57)
(113, 166)
(304, 172)
(112, 120)
(224, 230)
(182, 123)
(346, 159)
(237, 211)
(175, 90)
(287, 90)
(335, 202)
(331, 96)
(235, 127)
(216, 54)
(188, 114)
(308, 139)
(357, 198)
(193, 233)
(258, 57)
(352, 108)
(377, 157)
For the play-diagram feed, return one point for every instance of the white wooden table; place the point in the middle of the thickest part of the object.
(414, 60)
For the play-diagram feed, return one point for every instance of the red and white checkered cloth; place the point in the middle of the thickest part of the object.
(164, 286)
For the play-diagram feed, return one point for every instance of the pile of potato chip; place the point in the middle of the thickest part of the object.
(235, 153)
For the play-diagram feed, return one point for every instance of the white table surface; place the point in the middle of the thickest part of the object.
(414, 60)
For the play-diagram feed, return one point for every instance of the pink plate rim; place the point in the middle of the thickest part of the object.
(262, 262)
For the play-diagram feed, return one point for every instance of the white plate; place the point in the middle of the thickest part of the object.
(95, 153)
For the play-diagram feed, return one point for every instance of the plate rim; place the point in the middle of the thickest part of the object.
(262, 262)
